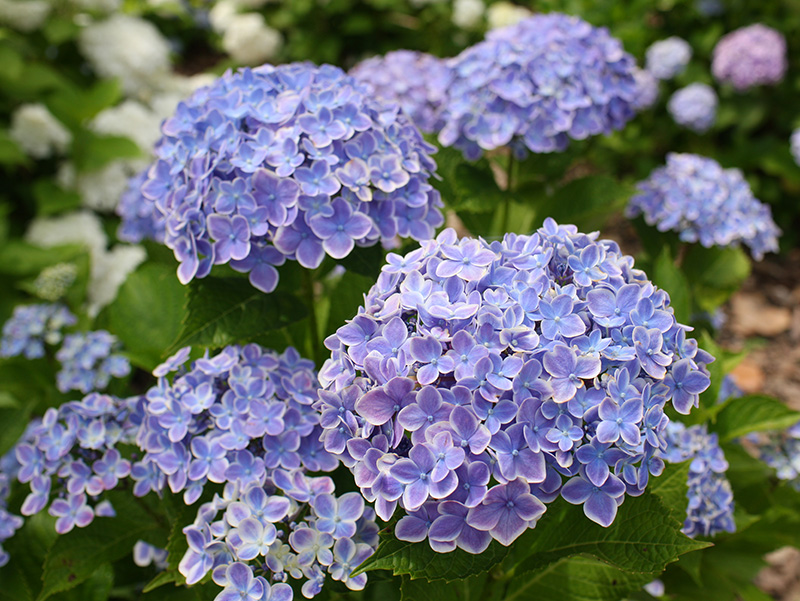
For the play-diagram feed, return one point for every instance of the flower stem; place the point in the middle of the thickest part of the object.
(509, 191)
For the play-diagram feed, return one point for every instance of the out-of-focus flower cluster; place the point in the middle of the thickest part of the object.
(694, 107)
(89, 360)
(285, 162)
(9, 522)
(418, 82)
(480, 381)
(535, 85)
(751, 56)
(667, 58)
(69, 458)
(696, 197)
(781, 450)
(30, 327)
(710, 507)
(794, 145)
(646, 89)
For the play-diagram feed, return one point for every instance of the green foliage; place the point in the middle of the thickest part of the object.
(147, 313)
(752, 413)
(668, 276)
(222, 311)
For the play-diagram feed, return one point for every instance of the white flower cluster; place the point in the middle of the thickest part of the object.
(24, 15)
(503, 14)
(37, 132)
(246, 37)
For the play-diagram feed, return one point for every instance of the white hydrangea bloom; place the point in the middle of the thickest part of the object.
(467, 13)
(82, 227)
(222, 13)
(109, 271)
(249, 40)
(37, 132)
(131, 119)
(502, 14)
(104, 6)
(24, 15)
(126, 47)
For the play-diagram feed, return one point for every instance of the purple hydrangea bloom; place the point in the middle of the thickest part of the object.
(140, 220)
(418, 82)
(30, 327)
(646, 89)
(566, 398)
(694, 107)
(696, 197)
(536, 84)
(89, 360)
(295, 161)
(750, 56)
(667, 58)
(710, 507)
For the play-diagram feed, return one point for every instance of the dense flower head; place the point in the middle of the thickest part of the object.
(667, 58)
(646, 89)
(9, 522)
(258, 537)
(536, 84)
(70, 457)
(140, 220)
(236, 416)
(710, 507)
(30, 327)
(89, 360)
(696, 197)
(481, 380)
(416, 81)
(694, 107)
(781, 451)
(294, 161)
(750, 56)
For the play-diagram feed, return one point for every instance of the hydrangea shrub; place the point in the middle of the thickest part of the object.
(480, 381)
(750, 56)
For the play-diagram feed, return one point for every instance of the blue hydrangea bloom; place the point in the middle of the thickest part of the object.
(694, 107)
(31, 327)
(140, 220)
(89, 360)
(750, 56)
(667, 58)
(9, 522)
(288, 162)
(536, 361)
(696, 197)
(536, 84)
(781, 451)
(418, 82)
(69, 458)
(646, 89)
(710, 507)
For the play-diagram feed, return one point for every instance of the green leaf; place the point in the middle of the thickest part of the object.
(587, 202)
(77, 555)
(672, 488)
(147, 313)
(176, 549)
(10, 152)
(418, 560)
(346, 296)
(11, 62)
(576, 578)
(752, 413)
(366, 261)
(468, 589)
(715, 273)
(14, 420)
(74, 105)
(644, 537)
(92, 152)
(19, 258)
(668, 276)
(52, 198)
(222, 311)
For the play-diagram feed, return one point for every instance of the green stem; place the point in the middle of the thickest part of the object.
(308, 285)
(682, 250)
(509, 191)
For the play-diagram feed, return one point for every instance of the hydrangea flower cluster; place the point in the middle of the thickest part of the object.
(141, 220)
(9, 523)
(294, 161)
(31, 327)
(781, 451)
(89, 360)
(646, 89)
(69, 458)
(696, 197)
(145, 554)
(481, 380)
(667, 58)
(418, 82)
(694, 107)
(750, 56)
(710, 508)
(234, 417)
(536, 84)
(294, 527)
